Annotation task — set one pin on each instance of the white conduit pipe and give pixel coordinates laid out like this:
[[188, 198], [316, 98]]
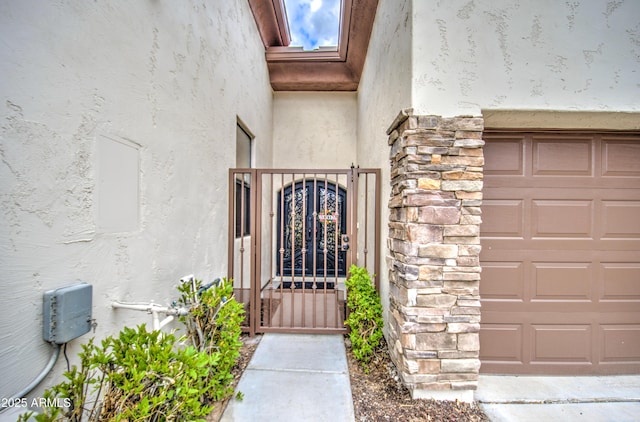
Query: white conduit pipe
[[154, 310], [52, 361]]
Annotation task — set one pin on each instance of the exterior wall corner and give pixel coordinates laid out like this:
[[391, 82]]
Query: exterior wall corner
[[434, 246]]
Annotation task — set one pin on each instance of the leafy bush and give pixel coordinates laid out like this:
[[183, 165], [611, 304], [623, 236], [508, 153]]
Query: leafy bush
[[148, 376], [214, 327], [365, 315], [138, 375]]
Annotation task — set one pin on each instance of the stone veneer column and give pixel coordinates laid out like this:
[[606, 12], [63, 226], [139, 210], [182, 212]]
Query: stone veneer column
[[434, 246]]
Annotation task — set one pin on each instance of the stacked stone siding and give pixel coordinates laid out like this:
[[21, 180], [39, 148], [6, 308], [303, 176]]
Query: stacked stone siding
[[434, 246]]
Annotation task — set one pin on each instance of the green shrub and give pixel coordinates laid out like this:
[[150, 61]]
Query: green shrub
[[148, 376], [214, 327], [138, 375], [365, 315]]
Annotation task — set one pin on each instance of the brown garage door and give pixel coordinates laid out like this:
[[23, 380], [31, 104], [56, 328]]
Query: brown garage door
[[561, 254]]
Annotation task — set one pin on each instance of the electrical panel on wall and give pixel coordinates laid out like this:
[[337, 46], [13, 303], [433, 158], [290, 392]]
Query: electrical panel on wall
[[67, 313]]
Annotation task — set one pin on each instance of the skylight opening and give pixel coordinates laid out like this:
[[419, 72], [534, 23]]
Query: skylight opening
[[313, 24]]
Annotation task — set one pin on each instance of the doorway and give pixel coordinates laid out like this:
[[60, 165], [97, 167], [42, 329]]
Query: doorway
[[312, 222]]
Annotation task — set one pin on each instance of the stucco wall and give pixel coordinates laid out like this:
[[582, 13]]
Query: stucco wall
[[385, 89], [471, 55], [314, 129], [93, 95], [481, 57]]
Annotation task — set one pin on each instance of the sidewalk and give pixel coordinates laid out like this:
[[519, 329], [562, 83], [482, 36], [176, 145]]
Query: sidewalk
[[300, 377], [295, 377], [579, 398]]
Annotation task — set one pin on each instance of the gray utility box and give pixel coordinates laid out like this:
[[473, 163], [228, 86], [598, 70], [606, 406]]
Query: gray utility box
[[67, 313]]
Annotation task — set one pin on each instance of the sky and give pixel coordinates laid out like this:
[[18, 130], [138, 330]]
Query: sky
[[313, 23]]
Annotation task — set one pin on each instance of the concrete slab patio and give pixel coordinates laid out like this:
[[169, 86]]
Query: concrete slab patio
[[579, 398], [295, 377]]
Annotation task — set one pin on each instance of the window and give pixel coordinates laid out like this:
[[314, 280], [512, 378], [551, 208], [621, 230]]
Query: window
[[243, 147], [242, 208], [243, 183]]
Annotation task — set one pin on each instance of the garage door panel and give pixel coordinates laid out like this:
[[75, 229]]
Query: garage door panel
[[620, 219], [561, 255], [503, 281], [562, 158], [562, 218], [506, 157], [620, 343], [620, 282], [502, 342], [503, 218], [620, 158], [562, 281], [561, 343]]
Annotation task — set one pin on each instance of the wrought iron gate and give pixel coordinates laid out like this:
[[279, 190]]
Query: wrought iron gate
[[293, 234]]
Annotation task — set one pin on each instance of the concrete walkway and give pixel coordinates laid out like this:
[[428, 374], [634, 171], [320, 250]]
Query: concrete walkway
[[579, 398], [295, 377]]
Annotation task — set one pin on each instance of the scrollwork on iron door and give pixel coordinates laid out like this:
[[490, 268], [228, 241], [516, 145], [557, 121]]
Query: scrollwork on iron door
[[293, 218], [330, 206], [313, 213]]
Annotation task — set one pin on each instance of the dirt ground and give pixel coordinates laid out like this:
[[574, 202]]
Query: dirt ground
[[377, 396]]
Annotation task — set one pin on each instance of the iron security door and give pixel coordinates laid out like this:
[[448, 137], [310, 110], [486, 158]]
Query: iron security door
[[311, 222]]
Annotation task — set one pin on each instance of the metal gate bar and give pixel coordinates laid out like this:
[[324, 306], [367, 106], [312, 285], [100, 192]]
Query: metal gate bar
[[293, 234], [240, 236]]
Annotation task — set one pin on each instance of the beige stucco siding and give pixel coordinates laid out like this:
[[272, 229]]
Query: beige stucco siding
[[118, 123], [314, 129], [472, 55], [385, 89]]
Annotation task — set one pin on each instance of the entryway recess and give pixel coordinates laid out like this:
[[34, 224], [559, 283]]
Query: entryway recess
[[293, 234]]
